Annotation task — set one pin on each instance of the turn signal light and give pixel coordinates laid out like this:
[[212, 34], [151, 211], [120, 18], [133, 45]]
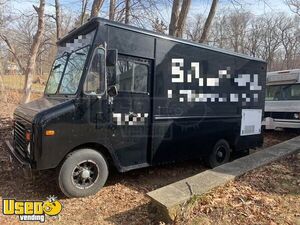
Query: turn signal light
[[50, 132], [28, 136]]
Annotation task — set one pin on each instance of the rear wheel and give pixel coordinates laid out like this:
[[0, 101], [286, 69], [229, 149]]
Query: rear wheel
[[83, 173], [219, 155]]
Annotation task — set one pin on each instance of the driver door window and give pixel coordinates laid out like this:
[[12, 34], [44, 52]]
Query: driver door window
[[132, 75], [93, 85]]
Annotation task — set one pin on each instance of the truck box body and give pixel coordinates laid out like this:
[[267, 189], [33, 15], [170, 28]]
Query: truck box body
[[175, 100]]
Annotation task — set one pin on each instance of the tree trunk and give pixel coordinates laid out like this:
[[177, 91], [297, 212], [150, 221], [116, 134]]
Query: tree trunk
[[208, 21], [174, 17], [97, 4], [58, 19], [112, 9], [182, 17], [33, 51], [2, 90], [127, 11], [83, 11]]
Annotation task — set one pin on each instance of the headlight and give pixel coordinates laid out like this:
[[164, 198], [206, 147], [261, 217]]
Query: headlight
[[296, 115], [28, 149]]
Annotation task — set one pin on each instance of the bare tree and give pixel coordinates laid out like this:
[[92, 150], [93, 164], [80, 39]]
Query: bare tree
[[236, 26], [182, 17], [288, 40], [2, 6], [112, 9], [194, 27], [127, 11], [159, 26], [219, 34], [97, 5], [179, 14], [83, 11], [253, 38], [58, 19], [174, 17], [13, 52], [209, 20], [270, 39], [294, 6], [2, 90], [30, 69]]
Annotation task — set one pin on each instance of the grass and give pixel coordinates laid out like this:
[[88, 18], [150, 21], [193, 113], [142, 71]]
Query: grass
[[16, 82]]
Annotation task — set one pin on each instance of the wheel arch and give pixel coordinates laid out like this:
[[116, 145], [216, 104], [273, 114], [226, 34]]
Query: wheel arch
[[108, 155]]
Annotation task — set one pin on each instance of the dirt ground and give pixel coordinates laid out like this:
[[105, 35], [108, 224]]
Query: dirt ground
[[268, 195], [122, 201]]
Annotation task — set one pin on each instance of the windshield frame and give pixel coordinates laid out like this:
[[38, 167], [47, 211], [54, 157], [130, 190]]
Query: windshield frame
[[92, 53], [57, 93], [83, 70], [85, 67]]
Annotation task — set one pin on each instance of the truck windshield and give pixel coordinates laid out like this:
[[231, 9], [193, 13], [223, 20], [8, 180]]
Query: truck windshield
[[73, 72], [56, 74], [67, 70]]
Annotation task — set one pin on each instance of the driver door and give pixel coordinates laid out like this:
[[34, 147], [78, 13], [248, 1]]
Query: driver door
[[130, 111]]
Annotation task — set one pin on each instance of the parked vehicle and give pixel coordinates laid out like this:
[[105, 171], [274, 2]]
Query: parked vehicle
[[282, 107], [130, 98]]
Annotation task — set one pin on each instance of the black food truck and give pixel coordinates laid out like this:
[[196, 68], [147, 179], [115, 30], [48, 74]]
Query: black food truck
[[129, 98]]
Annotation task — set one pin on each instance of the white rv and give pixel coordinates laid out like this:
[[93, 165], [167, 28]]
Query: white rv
[[282, 106]]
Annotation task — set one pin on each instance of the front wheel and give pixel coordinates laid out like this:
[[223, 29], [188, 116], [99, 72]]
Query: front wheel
[[219, 155], [83, 173]]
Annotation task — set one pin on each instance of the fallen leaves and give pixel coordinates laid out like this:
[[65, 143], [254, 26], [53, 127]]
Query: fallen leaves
[[268, 195]]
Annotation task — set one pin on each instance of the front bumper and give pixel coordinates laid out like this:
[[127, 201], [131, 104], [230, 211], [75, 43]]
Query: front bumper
[[272, 124], [26, 166]]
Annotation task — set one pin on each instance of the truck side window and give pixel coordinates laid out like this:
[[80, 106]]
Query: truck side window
[[140, 78], [96, 70], [132, 76]]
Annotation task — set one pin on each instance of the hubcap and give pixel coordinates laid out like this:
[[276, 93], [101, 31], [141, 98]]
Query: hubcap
[[85, 174], [221, 154]]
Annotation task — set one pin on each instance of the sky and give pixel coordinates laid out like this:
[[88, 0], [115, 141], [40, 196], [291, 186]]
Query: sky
[[257, 7]]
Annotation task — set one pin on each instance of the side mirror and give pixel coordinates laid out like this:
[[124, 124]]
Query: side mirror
[[112, 91], [112, 57]]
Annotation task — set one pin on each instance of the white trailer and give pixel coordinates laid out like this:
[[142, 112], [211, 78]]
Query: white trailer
[[282, 106]]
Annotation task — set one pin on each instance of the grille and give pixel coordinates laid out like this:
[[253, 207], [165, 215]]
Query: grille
[[20, 139]]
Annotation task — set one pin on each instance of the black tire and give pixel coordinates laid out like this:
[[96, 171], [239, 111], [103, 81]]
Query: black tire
[[83, 173], [219, 155]]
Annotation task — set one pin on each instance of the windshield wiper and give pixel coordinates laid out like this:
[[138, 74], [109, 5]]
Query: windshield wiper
[[57, 66], [80, 53]]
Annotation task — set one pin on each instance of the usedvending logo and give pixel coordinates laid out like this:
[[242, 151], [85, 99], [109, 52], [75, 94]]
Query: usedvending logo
[[32, 210]]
